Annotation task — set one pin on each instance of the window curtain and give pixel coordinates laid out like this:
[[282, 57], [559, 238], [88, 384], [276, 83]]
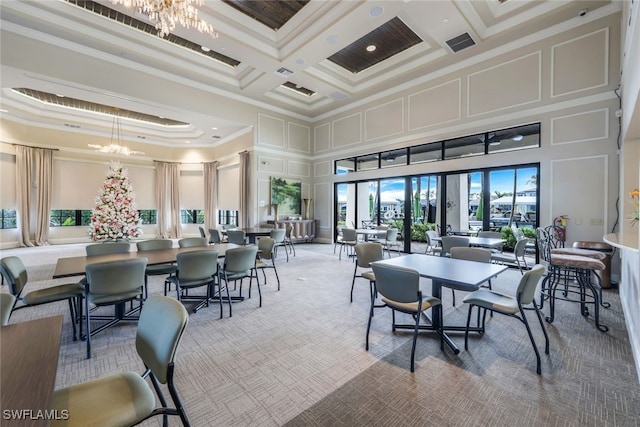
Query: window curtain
[[24, 183], [210, 194], [243, 221], [34, 168], [168, 190]]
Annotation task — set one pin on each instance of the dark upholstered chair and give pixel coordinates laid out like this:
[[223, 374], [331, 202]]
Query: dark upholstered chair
[[193, 242]]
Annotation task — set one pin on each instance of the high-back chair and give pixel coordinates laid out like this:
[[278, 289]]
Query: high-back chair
[[107, 248], [113, 283], [166, 269], [193, 242], [238, 264], [266, 258], [126, 398], [349, 240], [449, 242], [15, 274], [197, 269], [214, 236], [470, 254], [278, 235], [202, 232], [400, 291], [511, 305], [6, 307], [517, 257], [433, 246], [238, 237], [366, 253]]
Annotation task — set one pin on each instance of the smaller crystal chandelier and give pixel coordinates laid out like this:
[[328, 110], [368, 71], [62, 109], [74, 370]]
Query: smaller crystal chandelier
[[166, 13], [116, 136]]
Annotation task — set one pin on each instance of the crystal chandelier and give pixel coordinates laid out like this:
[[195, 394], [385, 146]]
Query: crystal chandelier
[[116, 136], [166, 13]]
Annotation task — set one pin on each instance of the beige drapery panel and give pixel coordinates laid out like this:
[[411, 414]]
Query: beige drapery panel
[[34, 167], [243, 221], [168, 189], [210, 194]]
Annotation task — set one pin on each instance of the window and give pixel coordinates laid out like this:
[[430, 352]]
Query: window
[[8, 217], [148, 216], [227, 217], [69, 217], [510, 139], [192, 216]]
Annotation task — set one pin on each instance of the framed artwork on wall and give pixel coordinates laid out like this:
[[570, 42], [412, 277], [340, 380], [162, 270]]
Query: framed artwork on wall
[[287, 194]]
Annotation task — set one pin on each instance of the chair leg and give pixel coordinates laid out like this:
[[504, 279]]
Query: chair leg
[[533, 341], [88, 324], [544, 330], [415, 340], [72, 313], [453, 295], [466, 331], [366, 346], [276, 273]]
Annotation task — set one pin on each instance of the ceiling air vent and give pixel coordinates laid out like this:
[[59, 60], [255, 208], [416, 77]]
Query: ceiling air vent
[[463, 41], [283, 72]]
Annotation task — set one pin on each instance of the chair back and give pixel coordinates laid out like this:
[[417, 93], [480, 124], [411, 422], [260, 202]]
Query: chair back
[[193, 242], [544, 244], [160, 329], [520, 247], [7, 301], [289, 231], [349, 235], [265, 246], [517, 232], [112, 278], [229, 227], [106, 248], [399, 284], [214, 236], [471, 254], [238, 237], [238, 260], [15, 273], [154, 244], [528, 283], [278, 234], [202, 232], [449, 242], [197, 265], [392, 235], [368, 252], [431, 236], [381, 227], [490, 234]]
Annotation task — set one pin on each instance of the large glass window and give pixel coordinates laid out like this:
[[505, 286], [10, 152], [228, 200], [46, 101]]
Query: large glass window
[[425, 153], [8, 218], [464, 147], [69, 217], [192, 216]]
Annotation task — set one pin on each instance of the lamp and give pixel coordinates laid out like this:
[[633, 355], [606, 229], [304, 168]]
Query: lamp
[[116, 136], [166, 13]]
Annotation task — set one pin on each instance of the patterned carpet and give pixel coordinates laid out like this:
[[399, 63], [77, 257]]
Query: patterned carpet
[[300, 359]]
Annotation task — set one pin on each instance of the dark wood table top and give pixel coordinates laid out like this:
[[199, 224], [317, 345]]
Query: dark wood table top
[[75, 266], [256, 231], [28, 364]]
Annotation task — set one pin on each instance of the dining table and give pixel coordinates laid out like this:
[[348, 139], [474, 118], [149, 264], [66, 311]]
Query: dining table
[[253, 232], [369, 233], [446, 272], [28, 363], [75, 266]]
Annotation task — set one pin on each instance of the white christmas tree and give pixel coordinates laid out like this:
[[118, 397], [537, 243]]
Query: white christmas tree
[[115, 215]]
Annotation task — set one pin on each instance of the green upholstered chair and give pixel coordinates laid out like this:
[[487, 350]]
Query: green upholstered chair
[[349, 241], [278, 235], [6, 307], [113, 283], [448, 243], [239, 263], [197, 269], [214, 236], [266, 258], [399, 288], [193, 242], [238, 237], [15, 274], [366, 253], [202, 232], [126, 398], [511, 305], [167, 269], [107, 248]]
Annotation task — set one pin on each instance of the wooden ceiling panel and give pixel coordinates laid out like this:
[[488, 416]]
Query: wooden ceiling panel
[[272, 13]]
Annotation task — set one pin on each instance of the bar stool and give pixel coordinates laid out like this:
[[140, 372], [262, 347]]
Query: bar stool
[[572, 273]]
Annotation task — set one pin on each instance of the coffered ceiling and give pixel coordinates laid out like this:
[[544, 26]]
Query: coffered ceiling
[[305, 58]]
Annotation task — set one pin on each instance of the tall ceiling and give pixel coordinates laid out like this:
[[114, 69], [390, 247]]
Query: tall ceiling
[[67, 63]]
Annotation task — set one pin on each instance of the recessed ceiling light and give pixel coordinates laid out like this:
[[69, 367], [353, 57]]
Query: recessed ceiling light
[[205, 49], [371, 48], [517, 137], [59, 95], [376, 11], [187, 142], [445, 20], [333, 39], [214, 128], [301, 61]]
